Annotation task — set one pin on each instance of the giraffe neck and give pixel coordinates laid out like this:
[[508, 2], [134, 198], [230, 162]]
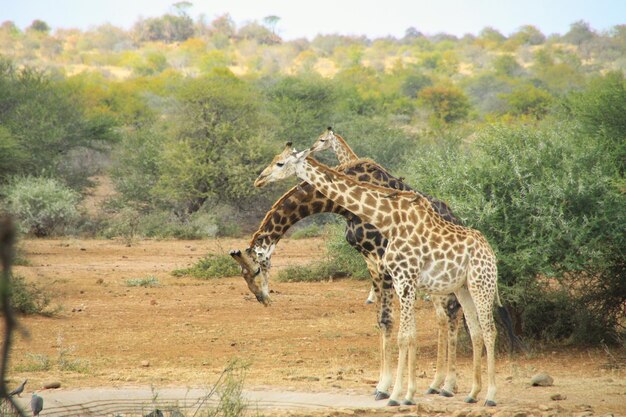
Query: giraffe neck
[[296, 204], [372, 204], [344, 153]]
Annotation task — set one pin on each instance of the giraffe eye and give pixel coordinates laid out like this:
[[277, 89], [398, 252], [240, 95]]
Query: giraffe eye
[[280, 164]]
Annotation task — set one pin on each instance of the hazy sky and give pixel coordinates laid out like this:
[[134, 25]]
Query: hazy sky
[[373, 18]]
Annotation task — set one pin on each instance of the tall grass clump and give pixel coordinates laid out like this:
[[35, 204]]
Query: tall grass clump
[[211, 266], [547, 199], [340, 260], [42, 206]]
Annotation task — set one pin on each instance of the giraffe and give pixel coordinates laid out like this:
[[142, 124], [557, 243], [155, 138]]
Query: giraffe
[[425, 252], [303, 200], [448, 331]]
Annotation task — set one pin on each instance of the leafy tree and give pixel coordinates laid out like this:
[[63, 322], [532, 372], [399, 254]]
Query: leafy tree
[[259, 33], [153, 63], [43, 123], [215, 150], [412, 33], [447, 103], [528, 100], [414, 83], [579, 33], [486, 93], [271, 21], [507, 65], [168, 28], [527, 35], [224, 25], [491, 37], [376, 138], [601, 111], [303, 107], [39, 26]]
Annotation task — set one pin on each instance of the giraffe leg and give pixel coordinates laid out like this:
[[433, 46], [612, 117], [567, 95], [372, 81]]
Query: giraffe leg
[[375, 290], [449, 386], [439, 303], [407, 340], [385, 323], [484, 308], [471, 316], [412, 357]]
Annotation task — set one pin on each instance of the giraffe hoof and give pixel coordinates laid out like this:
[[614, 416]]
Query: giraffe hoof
[[471, 400], [490, 403], [380, 395], [393, 403], [446, 393], [408, 402], [431, 391]]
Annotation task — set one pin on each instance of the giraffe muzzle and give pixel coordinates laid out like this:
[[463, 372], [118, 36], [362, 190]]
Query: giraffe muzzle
[[260, 181]]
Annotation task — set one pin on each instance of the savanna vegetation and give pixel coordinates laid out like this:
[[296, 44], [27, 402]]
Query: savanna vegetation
[[524, 135]]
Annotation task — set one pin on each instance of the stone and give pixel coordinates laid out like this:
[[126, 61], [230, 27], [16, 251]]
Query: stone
[[145, 364], [558, 397], [52, 385], [542, 380]]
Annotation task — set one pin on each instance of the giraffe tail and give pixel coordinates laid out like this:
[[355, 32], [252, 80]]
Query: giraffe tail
[[497, 300]]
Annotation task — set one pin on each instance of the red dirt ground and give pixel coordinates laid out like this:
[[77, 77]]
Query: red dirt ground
[[316, 337]]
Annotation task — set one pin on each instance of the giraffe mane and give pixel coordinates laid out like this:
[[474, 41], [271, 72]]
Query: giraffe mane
[[271, 211], [345, 144], [397, 193]]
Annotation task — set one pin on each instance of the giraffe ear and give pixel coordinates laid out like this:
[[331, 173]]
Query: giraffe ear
[[302, 154]]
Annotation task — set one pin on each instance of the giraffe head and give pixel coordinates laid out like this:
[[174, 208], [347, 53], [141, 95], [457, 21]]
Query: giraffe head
[[324, 141], [282, 166], [255, 273]]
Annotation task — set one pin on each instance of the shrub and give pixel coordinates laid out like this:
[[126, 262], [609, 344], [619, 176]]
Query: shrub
[[343, 256], [42, 206], [312, 230], [313, 272], [28, 298], [546, 199], [143, 282], [341, 260], [211, 266]]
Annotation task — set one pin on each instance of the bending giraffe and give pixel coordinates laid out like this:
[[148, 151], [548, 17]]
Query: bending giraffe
[[425, 253], [302, 201]]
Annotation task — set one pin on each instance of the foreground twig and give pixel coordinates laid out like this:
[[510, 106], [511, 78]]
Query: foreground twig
[[7, 239]]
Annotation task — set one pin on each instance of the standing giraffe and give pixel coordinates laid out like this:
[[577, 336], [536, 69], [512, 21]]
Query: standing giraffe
[[424, 253], [302, 201], [444, 305]]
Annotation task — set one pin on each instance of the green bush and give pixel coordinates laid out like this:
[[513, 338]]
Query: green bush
[[546, 199], [130, 224], [42, 206], [341, 260], [143, 282], [28, 298], [211, 266], [342, 256], [312, 230]]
